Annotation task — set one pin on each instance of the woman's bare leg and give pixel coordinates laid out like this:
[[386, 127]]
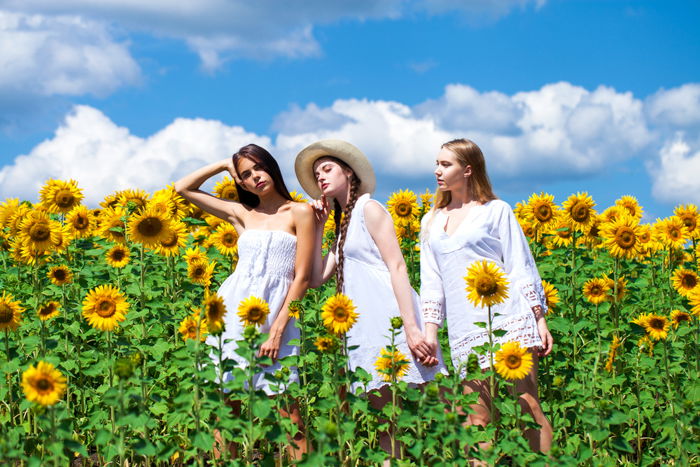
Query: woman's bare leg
[[540, 440]]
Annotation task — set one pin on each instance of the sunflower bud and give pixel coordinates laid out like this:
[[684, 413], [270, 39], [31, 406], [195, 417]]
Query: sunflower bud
[[330, 429], [451, 417], [558, 381], [136, 358], [250, 333], [432, 391], [472, 363], [396, 322]]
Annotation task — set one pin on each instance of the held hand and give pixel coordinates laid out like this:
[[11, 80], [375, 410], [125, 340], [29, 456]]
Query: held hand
[[420, 348], [228, 164], [271, 347], [321, 209], [546, 336]]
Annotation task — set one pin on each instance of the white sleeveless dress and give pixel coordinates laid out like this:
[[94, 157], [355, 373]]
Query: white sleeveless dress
[[265, 269], [367, 282]]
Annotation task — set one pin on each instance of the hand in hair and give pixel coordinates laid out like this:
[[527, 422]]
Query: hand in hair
[[322, 209]]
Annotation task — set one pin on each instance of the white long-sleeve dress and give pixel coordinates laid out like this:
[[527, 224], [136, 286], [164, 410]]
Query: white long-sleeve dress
[[489, 232], [367, 282]]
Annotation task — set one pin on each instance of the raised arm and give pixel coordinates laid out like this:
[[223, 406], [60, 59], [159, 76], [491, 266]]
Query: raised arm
[[188, 188], [323, 266], [381, 228], [304, 224]]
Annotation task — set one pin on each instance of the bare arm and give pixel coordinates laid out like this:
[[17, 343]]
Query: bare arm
[[188, 188], [304, 223], [381, 228], [323, 266]]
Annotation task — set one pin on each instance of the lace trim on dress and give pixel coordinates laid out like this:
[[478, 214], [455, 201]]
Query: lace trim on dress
[[521, 328], [534, 295], [433, 311]]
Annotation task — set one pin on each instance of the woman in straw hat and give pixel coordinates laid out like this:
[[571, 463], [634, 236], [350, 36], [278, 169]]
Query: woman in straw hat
[[366, 260], [275, 247], [469, 224]]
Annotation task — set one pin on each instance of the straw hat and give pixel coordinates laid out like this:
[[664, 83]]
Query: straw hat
[[346, 152]]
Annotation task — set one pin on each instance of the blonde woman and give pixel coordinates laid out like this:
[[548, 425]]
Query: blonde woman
[[467, 224]]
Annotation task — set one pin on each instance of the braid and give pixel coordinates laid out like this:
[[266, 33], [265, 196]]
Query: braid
[[343, 230]]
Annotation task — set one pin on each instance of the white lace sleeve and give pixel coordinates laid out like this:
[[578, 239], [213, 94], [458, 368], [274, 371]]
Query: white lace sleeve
[[518, 260], [431, 292]]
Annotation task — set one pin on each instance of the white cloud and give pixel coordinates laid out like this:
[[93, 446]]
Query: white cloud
[[677, 107], [61, 55], [675, 174], [479, 8], [103, 157], [529, 138]]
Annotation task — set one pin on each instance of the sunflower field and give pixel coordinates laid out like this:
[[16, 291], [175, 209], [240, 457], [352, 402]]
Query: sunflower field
[[104, 312]]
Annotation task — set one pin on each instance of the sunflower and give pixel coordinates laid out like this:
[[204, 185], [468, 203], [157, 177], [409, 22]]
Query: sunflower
[[579, 212], [193, 326], [656, 326], [80, 222], [527, 228], [177, 239], [612, 354], [7, 210], [596, 290], [10, 312], [671, 232], [225, 239], [48, 310], [391, 364], [694, 302], [591, 236], [253, 311], [690, 216], [214, 311], [621, 236], [408, 230], [200, 272], [512, 361], [612, 213], [326, 344], [15, 218], [542, 211], [403, 205], [631, 206], [295, 309], [60, 196], [149, 227], [621, 287], [112, 224], [178, 204], [562, 233], [118, 256], [137, 199], [298, 197], [551, 294], [62, 236], [37, 231], [426, 201], [226, 189], [338, 314], [43, 384], [684, 281], [60, 275], [162, 204], [486, 284], [678, 317], [104, 306], [194, 255]]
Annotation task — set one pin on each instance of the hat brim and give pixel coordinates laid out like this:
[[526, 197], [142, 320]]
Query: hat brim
[[342, 150]]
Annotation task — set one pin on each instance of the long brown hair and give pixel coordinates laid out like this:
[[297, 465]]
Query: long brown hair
[[342, 221], [260, 156], [468, 153]]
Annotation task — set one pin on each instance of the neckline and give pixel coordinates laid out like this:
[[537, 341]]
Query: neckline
[[462, 222], [268, 230]]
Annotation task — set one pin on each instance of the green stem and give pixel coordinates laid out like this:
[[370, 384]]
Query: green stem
[[492, 379]]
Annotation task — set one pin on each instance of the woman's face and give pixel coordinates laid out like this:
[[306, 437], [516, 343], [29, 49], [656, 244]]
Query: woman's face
[[253, 177], [331, 177], [450, 173]]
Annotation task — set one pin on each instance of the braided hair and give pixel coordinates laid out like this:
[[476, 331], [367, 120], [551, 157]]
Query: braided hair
[[341, 228]]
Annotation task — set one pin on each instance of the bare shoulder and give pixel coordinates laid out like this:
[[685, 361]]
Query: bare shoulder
[[375, 212], [302, 210]]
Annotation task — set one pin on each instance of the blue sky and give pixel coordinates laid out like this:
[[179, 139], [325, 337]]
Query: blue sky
[[563, 96]]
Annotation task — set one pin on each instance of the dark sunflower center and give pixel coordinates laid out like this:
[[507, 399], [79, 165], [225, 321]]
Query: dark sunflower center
[[513, 361], [213, 312], [150, 227], [645, 237], [64, 198], [228, 239], [596, 291], [656, 324], [403, 209], [229, 193], [689, 221], [192, 330], [254, 314], [580, 212], [47, 310], [625, 238], [170, 241], [689, 281], [674, 233], [118, 255], [44, 385], [340, 314], [486, 286], [564, 233], [6, 314], [543, 212], [682, 317], [39, 232], [106, 308], [198, 271], [59, 275], [594, 232], [81, 222]]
